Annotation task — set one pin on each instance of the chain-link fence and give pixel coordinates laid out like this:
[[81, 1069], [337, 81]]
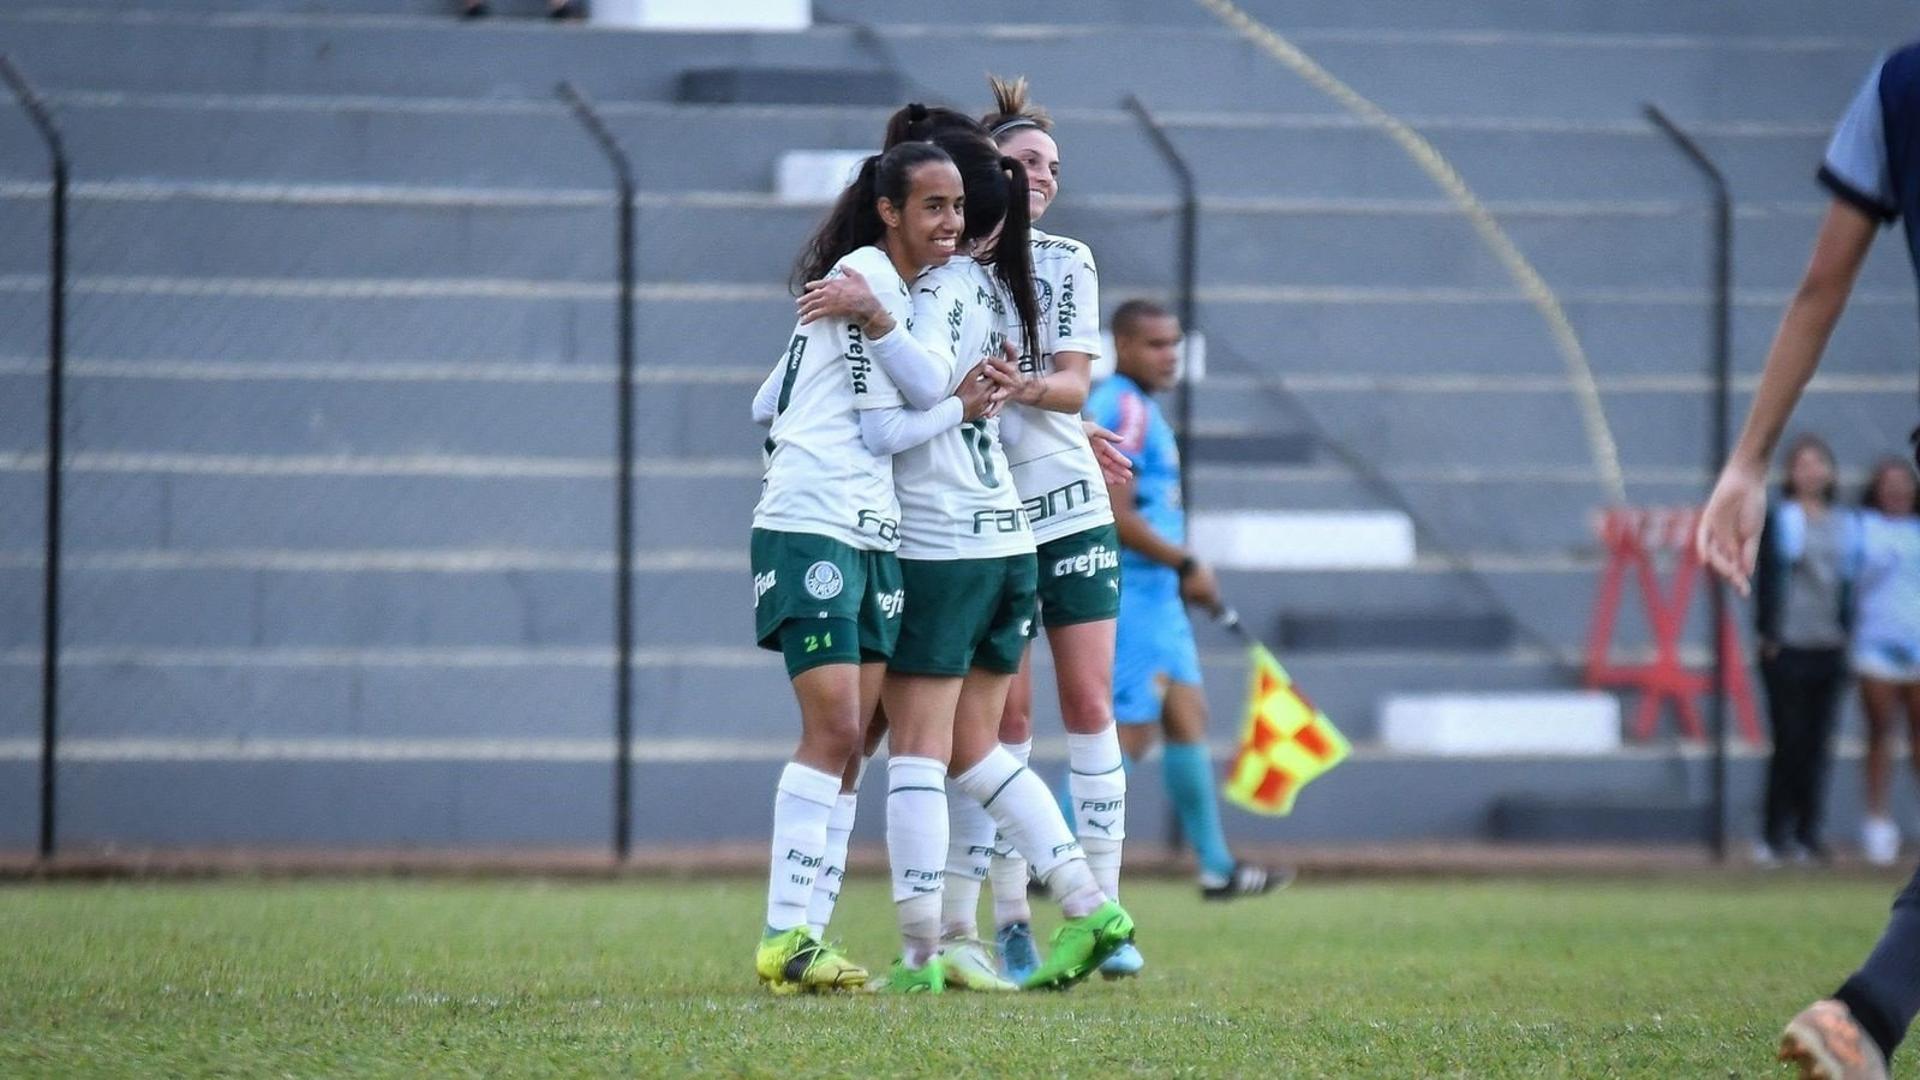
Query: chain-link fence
[[339, 482], [26, 248]]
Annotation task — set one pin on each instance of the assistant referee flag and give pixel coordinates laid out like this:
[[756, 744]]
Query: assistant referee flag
[[1286, 743]]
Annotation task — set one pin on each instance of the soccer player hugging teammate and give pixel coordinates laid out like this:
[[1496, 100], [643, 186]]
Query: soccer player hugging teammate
[[1060, 482], [827, 586], [967, 559]]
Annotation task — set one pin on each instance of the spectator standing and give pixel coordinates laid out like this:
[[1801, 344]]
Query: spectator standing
[[1801, 611], [1886, 644]]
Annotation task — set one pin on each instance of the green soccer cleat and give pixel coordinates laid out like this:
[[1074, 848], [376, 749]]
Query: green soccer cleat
[[1080, 946], [794, 963], [967, 964], [930, 978]]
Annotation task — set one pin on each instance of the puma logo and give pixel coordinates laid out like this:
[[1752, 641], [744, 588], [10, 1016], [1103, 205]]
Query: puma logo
[[1105, 827]]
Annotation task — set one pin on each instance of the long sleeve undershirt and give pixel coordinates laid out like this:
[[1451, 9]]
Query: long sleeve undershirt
[[766, 400], [921, 374], [890, 431]]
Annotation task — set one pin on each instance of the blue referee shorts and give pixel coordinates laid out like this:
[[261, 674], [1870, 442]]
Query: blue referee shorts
[[1153, 645]]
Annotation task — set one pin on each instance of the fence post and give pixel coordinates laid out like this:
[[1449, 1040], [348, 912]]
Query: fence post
[[56, 378], [1722, 255], [623, 496]]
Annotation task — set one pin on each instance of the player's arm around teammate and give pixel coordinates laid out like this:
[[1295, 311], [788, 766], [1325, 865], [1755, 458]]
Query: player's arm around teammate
[[827, 591], [967, 562]]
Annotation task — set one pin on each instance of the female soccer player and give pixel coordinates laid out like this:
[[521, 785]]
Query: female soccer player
[[1060, 482], [968, 565], [827, 586]]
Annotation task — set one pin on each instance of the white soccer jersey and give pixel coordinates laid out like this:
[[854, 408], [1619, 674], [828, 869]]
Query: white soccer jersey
[[957, 499], [1053, 467], [820, 476]]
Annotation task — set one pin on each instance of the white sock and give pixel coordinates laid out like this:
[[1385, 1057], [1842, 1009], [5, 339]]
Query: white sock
[[1009, 871], [1097, 786], [802, 803], [970, 835], [917, 851], [833, 872], [1027, 813]]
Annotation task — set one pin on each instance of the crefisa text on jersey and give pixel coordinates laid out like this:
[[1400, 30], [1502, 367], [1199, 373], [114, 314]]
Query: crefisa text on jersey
[[858, 362]]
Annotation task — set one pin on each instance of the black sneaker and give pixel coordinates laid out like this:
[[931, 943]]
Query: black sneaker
[[1249, 880]]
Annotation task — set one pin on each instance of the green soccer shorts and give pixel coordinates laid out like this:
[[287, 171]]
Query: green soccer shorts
[[1080, 577], [965, 614], [801, 576]]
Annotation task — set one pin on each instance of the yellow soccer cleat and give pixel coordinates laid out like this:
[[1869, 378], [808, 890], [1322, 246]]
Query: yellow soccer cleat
[[794, 963]]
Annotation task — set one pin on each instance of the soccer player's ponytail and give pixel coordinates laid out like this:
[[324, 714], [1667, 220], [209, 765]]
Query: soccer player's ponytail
[[1012, 109], [855, 221], [906, 125], [927, 123], [1013, 254]]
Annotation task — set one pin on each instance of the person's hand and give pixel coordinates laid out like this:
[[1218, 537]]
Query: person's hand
[[980, 394], [1004, 370], [1199, 587], [1114, 466], [846, 296], [1728, 539], [1027, 389]]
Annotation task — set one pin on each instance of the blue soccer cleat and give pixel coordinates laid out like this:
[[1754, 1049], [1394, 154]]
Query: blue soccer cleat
[[1125, 963], [1018, 959]]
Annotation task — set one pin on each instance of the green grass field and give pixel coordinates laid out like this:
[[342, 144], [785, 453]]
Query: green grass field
[[1571, 978]]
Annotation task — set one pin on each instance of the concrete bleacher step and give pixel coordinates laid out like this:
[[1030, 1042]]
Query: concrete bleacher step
[[1550, 819], [735, 692], [1407, 73], [1348, 333], [708, 420], [1542, 425], [1641, 16], [1254, 448], [1236, 153], [1380, 331], [240, 607], [1512, 513], [748, 84], [1437, 631], [1483, 724], [348, 9], [727, 237]]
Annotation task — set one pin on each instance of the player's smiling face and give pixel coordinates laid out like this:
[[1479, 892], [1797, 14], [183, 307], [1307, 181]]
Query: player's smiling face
[[1036, 150], [926, 227]]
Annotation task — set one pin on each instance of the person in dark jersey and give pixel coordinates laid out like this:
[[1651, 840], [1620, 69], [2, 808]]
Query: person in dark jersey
[[1872, 171]]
